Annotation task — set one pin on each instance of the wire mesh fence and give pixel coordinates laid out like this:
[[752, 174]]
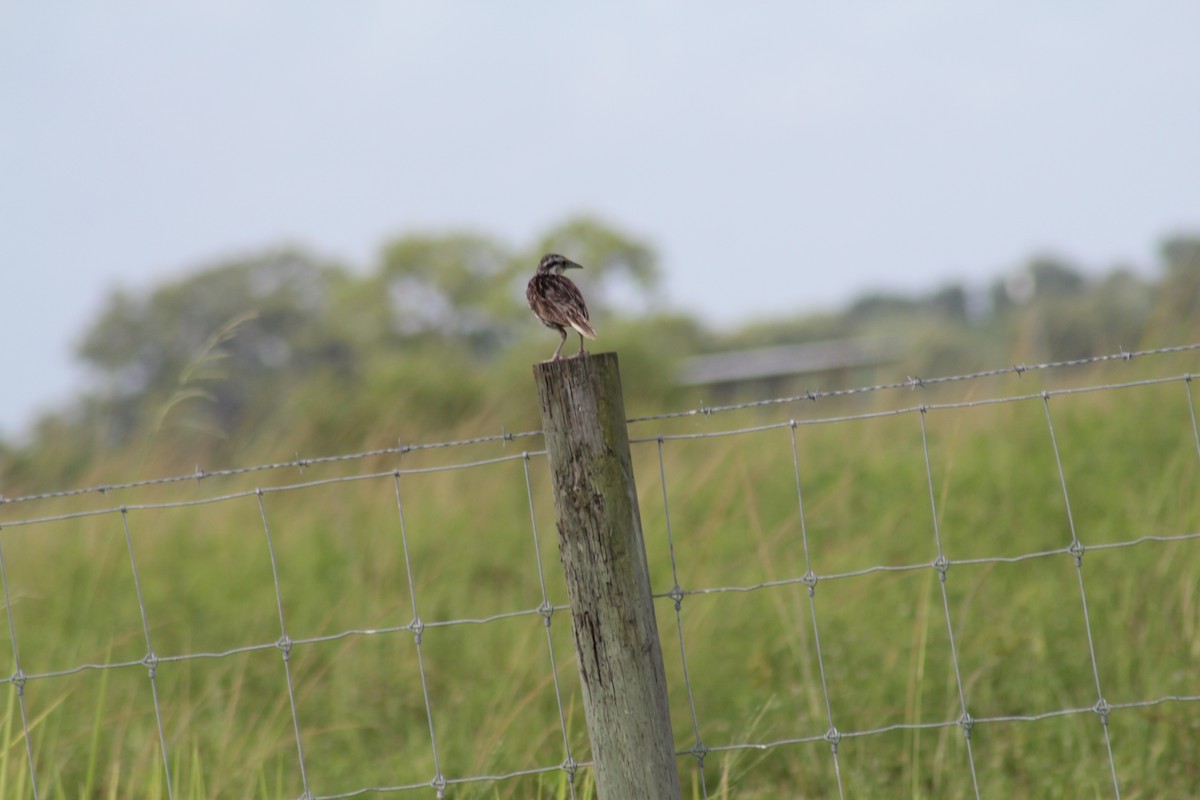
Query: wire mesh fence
[[856, 588]]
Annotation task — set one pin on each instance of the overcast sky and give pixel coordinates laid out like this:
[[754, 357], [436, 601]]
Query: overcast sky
[[781, 156]]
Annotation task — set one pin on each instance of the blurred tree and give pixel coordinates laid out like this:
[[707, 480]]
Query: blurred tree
[[1177, 310], [445, 287], [468, 288], [209, 343], [768, 332], [950, 302], [1052, 276], [879, 305], [205, 351], [1041, 277], [288, 348], [1119, 308]]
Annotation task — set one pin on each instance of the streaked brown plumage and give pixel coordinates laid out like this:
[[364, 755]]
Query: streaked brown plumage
[[557, 302]]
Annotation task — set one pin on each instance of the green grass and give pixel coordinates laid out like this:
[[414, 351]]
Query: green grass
[[1131, 469]]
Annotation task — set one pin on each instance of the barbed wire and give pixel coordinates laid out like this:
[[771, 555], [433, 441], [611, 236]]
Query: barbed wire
[[919, 383], [296, 463], [200, 501], [444, 776], [1186, 378], [299, 463]]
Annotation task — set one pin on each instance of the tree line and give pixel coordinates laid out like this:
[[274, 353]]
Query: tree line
[[287, 346]]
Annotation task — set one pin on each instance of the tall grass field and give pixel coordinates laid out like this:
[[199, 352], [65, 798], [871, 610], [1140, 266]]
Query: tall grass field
[[865, 491]]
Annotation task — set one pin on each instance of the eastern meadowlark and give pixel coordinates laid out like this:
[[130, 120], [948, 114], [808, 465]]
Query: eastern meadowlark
[[557, 302]]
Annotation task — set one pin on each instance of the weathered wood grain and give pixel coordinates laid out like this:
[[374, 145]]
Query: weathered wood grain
[[608, 582]]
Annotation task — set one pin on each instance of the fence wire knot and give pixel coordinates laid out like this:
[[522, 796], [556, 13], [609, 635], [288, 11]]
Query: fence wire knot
[[700, 752], [942, 566], [569, 766], [966, 722], [417, 627], [547, 611], [1102, 708], [439, 783], [284, 643], [809, 579], [833, 736], [18, 680], [1076, 550], [676, 594], [150, 662]]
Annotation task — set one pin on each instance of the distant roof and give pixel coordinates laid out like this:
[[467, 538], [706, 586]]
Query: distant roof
[[785, 360]]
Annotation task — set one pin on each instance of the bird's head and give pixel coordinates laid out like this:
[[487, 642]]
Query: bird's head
[[553, 262]]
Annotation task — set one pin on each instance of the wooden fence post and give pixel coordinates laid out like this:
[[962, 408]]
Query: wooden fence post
[[608, 582]]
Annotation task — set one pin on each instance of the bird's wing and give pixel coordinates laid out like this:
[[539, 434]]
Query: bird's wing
[[576, 310], [564, 302]]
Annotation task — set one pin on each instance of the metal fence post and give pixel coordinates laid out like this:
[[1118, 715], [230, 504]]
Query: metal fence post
[[608, 582]]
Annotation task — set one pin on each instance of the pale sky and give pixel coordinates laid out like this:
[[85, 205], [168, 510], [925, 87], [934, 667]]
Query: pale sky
[[781, 156]]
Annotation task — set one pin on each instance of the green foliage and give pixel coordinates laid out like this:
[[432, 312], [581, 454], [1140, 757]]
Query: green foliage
[[760, 333], [262, 358], [287, 350], [468, 288], [208, 586], [1177, 312], [216, 340], [445, 288]]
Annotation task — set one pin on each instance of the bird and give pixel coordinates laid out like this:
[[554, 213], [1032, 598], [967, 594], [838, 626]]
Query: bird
[[557, 302]]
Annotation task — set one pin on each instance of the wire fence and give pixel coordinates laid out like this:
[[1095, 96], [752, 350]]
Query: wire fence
[[704, 740]]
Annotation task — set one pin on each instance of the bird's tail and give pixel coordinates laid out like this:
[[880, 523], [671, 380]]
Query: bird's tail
[[584, 327]]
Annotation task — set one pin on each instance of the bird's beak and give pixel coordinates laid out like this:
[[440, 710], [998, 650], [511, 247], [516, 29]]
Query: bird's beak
[[572, 265]]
